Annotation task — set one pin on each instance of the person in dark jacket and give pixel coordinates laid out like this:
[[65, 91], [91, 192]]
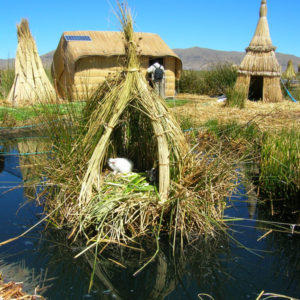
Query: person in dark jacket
[[157, 77]]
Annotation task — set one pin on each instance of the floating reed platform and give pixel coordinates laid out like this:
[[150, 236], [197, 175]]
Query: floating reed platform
[[268, 116]]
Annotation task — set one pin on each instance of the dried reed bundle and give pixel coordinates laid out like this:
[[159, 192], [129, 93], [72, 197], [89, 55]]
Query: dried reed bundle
[[290, 71], [31, 83]]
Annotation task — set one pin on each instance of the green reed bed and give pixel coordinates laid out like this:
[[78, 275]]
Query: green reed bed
[[235, 98], [6, 81], [280, 164], [277, 155], [16, 116], [10, 116], [211, 82]]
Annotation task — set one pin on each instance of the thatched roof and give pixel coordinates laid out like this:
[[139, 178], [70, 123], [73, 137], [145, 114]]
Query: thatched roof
[[262, 38], [108, 43], [260, 58], [31, 83]]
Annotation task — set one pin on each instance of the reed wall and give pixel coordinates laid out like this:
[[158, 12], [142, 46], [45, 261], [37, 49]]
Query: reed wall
[[91, 71], [272, 90]]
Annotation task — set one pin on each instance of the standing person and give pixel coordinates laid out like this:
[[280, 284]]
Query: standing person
[[157, 78]]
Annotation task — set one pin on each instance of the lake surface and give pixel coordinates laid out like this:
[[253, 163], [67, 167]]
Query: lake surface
[[220, 268]]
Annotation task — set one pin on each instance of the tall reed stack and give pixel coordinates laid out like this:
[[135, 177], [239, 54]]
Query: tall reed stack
[[31, 84], [290, 71]]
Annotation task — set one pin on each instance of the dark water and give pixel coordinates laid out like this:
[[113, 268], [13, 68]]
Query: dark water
[[221, 268]]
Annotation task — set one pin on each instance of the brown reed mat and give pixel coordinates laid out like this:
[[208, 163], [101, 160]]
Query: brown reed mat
[[268, 116], [13, 290]]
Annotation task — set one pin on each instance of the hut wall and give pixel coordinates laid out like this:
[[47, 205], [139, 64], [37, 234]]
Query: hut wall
[[63, 86], [170, 65], [90, 71], [272, 90]]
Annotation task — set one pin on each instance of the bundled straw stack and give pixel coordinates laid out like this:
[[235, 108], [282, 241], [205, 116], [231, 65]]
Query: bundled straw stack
[[290, 71], [260, 63], [31, 83], [132, 103]]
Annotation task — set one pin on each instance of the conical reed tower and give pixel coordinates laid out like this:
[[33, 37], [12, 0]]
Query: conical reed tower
[[290, 71], [259, 73], [31, 83]]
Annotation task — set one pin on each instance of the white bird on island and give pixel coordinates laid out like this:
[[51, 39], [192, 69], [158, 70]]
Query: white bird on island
[[120, 165]]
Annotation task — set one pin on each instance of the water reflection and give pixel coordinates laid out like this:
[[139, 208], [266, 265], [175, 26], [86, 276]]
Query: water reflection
[[1, 163], [167, 277], [220, 267]]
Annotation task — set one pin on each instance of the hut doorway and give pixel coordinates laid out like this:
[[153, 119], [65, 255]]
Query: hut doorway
[[256, 88], [152, 61]]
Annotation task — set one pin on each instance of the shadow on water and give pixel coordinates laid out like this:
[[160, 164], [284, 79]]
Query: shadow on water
[[220, 268]]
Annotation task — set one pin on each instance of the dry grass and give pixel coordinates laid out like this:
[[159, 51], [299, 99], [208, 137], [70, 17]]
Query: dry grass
[[268, 116]]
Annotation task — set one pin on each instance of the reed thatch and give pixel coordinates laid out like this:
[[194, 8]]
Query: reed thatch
[[259, 72], [82, 63], [290, 71], [31, 83]]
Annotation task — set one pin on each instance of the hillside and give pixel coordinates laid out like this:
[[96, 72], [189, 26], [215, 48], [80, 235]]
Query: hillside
[[46, 59], [201, 58], [193, 58]]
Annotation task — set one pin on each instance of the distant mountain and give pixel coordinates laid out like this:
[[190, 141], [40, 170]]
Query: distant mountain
[[192, 58], [201, 58], [9, 63]]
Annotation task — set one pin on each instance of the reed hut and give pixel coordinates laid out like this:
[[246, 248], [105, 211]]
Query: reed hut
[[290, 71], [259, 73], [83, 59], [31, 83]]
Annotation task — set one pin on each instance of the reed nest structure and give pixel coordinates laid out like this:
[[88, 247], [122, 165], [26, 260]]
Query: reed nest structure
[[259, 73], [31, 84], [83, 59], [126, 118]]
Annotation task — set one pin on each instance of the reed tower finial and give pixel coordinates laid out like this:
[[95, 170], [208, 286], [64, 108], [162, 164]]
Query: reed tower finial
[[263, 9]]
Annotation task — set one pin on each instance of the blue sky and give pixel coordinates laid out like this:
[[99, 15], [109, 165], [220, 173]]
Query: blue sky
[[216, 24]]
